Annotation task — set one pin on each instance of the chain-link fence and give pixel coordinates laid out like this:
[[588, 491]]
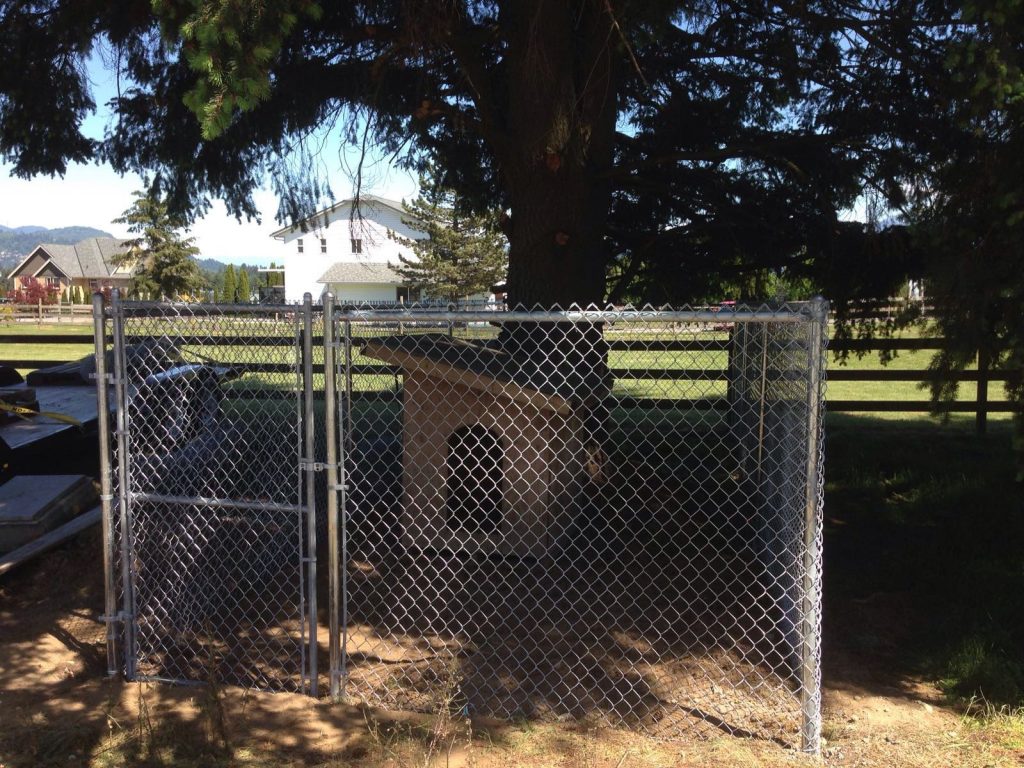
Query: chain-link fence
[[610, 516]]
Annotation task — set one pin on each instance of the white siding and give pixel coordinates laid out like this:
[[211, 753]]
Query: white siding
[[300, 273], [360, 292], [303, 269]]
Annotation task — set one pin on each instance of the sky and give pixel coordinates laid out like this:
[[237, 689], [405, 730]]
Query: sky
[[93, 195]]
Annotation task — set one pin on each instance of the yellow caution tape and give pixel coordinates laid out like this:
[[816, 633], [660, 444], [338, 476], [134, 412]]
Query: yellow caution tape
[[27, 413]]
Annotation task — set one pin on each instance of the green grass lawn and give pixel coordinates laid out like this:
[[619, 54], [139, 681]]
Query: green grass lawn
[[705, 359], [30, 350]]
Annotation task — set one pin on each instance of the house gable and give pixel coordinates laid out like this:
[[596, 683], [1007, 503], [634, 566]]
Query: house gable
[[31, 264], [89, 259], [49, 269], [372, 209]]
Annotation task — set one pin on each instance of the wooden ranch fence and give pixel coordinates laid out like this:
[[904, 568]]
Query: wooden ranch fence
[[981, 405], [46, 313]]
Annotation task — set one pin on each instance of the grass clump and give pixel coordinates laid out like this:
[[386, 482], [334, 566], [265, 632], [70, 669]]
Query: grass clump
[[980, 667]]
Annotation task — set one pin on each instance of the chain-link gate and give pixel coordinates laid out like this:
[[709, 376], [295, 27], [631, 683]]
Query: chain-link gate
[[209, 512], [611, 516]]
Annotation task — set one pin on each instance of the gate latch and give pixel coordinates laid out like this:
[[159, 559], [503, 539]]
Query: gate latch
[[315, 466]]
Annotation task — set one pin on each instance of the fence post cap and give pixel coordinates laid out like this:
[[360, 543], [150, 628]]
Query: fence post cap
[[819, 307]]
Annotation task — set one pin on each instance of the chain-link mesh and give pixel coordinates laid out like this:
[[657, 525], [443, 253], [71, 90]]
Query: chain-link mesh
[[209, 491], [603, 516], [610, 516]]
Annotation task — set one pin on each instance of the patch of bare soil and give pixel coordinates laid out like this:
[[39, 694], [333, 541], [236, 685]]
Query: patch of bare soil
[[58, 707]]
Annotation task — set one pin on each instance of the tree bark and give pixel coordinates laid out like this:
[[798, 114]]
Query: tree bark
[[561, 114]]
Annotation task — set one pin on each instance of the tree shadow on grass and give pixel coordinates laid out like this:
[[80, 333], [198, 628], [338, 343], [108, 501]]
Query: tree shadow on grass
[[924, 526]]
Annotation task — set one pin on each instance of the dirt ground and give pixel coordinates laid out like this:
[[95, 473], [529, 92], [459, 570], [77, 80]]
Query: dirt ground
[[57, 707]]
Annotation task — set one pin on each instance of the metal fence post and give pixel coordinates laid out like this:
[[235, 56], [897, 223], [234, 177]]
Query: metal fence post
[[106, 485], [810, 671], [333, 488], [343, 458], [121, 396], [309, 460]]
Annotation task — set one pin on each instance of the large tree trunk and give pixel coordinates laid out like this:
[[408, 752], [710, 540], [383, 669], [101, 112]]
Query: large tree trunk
[[561, 111], [561, 114]]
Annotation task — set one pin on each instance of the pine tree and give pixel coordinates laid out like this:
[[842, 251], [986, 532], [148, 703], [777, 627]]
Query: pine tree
[[463, 255], [244, 292], [229, 287], [161, 258], [274, 278]]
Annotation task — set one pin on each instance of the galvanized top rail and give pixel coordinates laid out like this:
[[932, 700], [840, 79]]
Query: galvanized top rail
[[795, 312], [576, 316], [188, 309]]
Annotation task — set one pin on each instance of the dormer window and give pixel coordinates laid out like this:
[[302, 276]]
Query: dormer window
[[357, 245], [299, 244], [323, 245]]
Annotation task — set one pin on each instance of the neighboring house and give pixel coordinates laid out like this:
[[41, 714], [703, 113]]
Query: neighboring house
[[352, 256], [89, 264]]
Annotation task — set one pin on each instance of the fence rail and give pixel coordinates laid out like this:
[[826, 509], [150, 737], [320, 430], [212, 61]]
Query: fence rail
[[981, 405], [40, 312]]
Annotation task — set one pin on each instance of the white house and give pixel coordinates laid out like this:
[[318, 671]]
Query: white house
[[351, 255]]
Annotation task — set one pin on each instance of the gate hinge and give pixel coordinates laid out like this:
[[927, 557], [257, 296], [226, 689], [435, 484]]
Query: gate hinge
[[108, 376], [315, 466], [120, 616], [339, 487]]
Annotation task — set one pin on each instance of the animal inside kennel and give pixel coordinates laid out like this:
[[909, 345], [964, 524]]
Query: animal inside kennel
[[610, 516]]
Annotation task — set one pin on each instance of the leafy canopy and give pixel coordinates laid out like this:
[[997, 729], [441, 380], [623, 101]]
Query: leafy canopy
[[244, 293], [971, 213]]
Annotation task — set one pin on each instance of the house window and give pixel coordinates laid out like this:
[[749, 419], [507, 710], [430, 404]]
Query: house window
[[299, 243], [476, 471], [407, 295], [323, 245], [357, 245], [53, 283]]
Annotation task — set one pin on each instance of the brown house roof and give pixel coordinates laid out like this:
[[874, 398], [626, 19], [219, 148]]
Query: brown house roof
[[90, 259]]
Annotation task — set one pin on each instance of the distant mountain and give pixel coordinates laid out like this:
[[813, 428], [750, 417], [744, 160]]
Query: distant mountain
[[211, 265], [19, 241], [22, 230]]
